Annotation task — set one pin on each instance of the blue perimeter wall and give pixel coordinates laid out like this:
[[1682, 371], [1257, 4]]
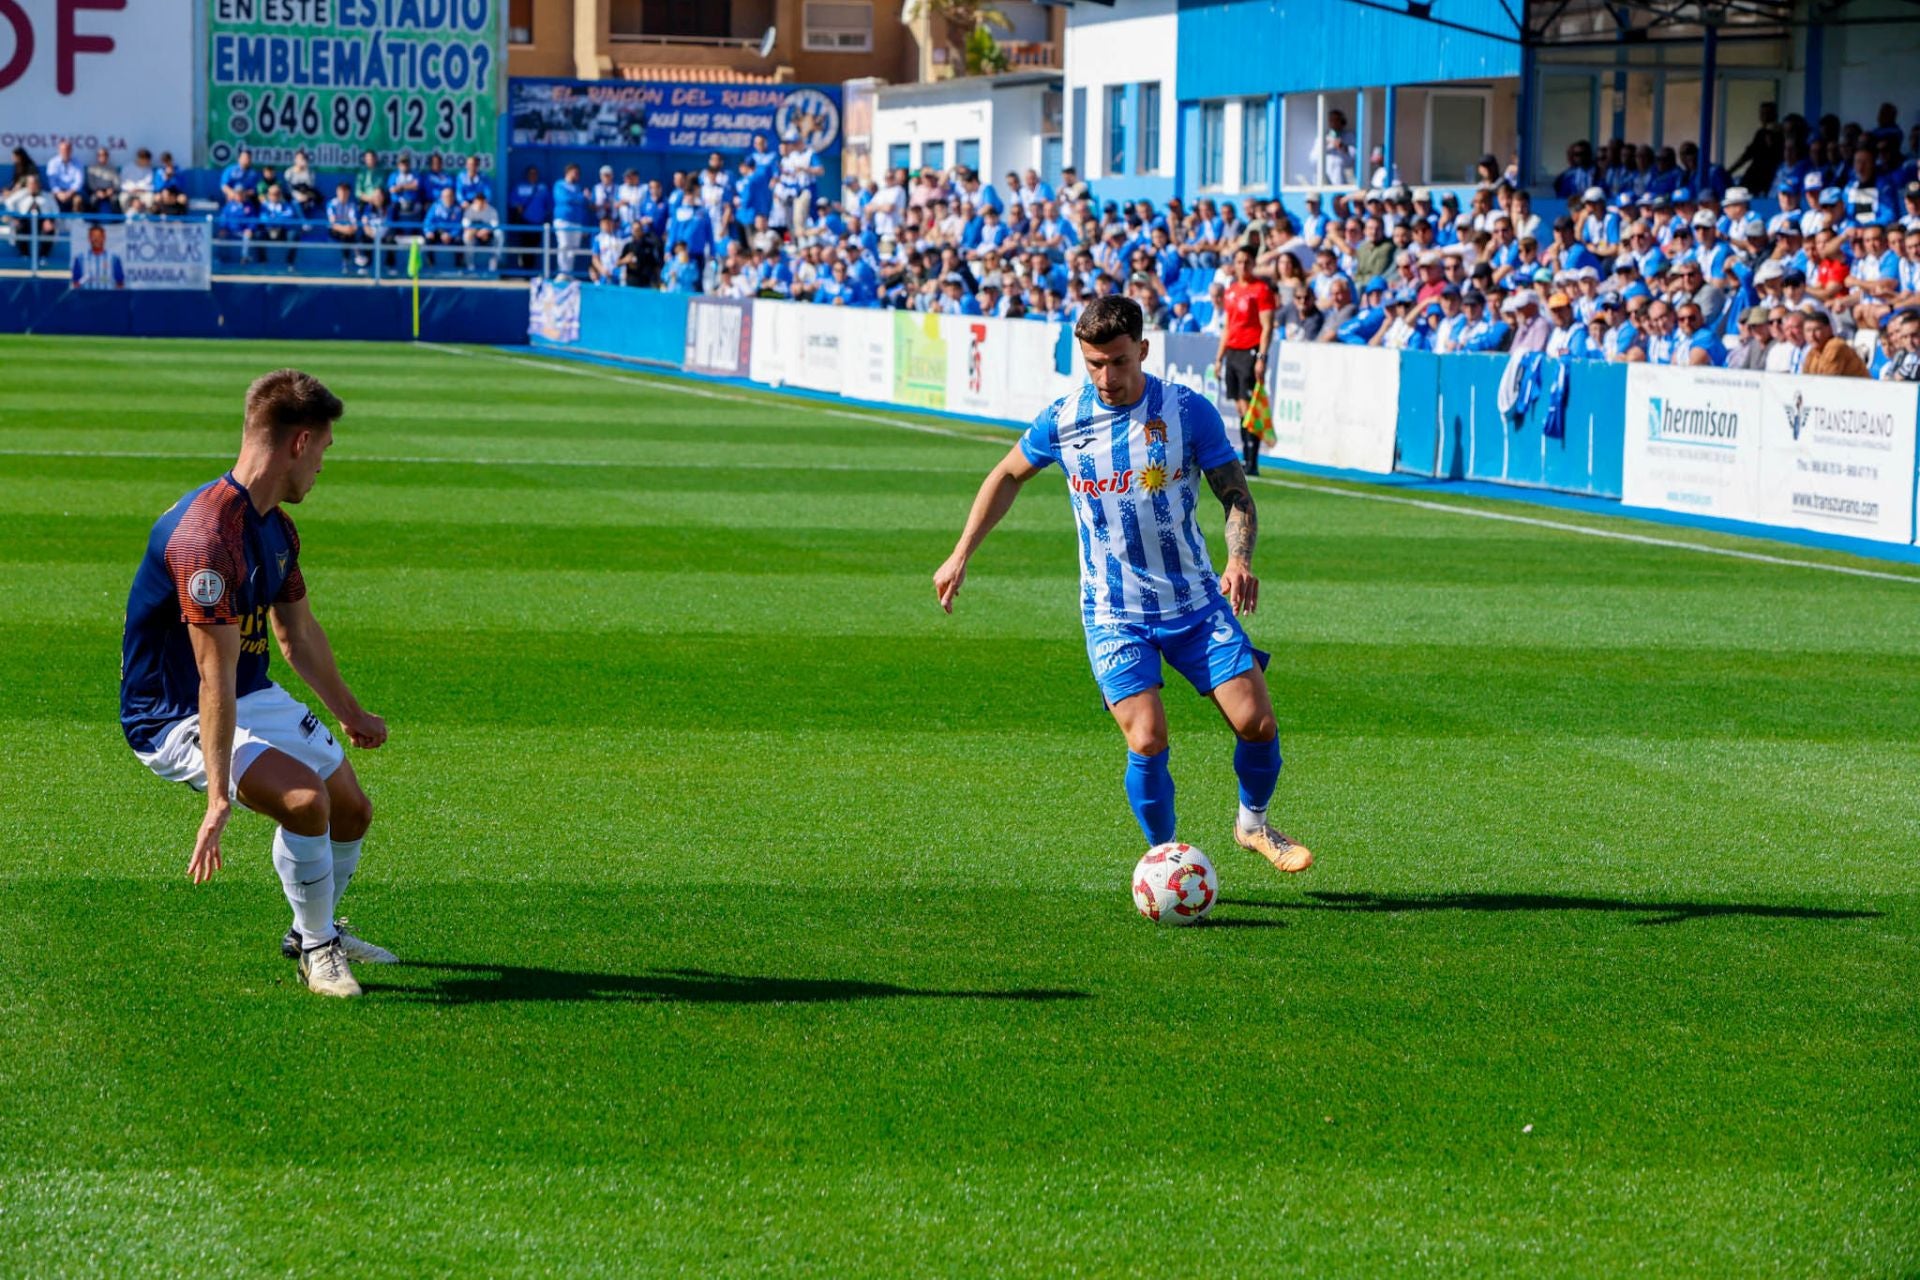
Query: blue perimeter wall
[[268, 309]]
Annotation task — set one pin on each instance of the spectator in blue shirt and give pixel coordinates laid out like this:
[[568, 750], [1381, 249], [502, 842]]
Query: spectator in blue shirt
[[1373, 314], [572, 219], [683, 273], [1481, 332], [1579, 174], [280, 221], [240, 178], [443, 226], [403, 189], [435, 180], [471, 183], [689, 224], [375, 229], [65, 179], [343, 226], [529, 205], [1697, 343], [235, 221]]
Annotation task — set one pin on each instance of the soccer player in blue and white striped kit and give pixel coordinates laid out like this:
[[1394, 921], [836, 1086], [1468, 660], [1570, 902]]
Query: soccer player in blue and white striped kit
[[1134, 449]]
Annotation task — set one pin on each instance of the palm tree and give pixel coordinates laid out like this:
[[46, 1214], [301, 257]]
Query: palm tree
[[964, 20]]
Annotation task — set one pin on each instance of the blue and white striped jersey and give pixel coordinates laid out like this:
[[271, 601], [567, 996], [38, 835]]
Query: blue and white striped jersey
[[1133, 476]]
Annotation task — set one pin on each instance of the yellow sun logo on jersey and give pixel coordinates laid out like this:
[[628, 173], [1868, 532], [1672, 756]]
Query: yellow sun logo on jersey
[[1153, 477]]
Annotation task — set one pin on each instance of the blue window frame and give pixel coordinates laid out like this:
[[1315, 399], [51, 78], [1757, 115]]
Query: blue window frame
[[1150, 127], [1253, 142], [1213, 143], [966, 154], [899, 156], [933, 155], [1116, 128]]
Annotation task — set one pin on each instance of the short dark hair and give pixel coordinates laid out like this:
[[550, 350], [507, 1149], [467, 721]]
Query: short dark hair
[[1108, 319], [287, 400]]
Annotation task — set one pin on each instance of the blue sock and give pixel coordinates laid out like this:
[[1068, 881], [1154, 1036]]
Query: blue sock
[[1150, 792], [1257, 765]]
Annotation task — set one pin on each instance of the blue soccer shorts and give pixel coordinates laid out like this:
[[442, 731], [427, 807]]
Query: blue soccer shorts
[[1209, 648]]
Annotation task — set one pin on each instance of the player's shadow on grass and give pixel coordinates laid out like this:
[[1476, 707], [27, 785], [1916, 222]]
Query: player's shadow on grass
[[449, 983], [1655, 912]]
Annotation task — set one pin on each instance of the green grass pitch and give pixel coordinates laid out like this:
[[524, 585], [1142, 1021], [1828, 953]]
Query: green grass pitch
[[761, 919]]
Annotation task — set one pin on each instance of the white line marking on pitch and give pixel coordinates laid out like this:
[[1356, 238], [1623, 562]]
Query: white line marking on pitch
[[1675, 544], [605, 463]]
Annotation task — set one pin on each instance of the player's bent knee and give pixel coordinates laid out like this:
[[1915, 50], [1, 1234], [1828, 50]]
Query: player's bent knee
[[352, 815], [1263, 728], [306, 811], [1147, 742]]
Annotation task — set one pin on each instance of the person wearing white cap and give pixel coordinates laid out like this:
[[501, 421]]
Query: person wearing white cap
[[1532, 331], [1598, 226]]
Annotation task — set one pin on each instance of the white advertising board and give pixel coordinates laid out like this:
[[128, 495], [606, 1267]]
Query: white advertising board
[[1334, 406], [866, 355], [776, 341], [1837, 455], [119, 76], [1692, 441], [818, 363], [977, 348]]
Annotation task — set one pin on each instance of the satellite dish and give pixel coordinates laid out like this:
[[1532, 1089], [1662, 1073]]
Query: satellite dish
[[766, 42]]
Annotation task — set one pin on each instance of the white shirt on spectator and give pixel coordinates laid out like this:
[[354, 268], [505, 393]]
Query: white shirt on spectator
[[1785, 357], [136, 179]]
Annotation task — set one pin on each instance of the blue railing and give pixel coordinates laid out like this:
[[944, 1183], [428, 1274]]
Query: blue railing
[[303, 246]]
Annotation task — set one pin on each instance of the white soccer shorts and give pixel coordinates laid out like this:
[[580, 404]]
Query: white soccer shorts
[[266, 718]]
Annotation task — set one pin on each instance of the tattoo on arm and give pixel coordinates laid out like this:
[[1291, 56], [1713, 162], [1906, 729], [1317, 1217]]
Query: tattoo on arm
[[1229, 484]]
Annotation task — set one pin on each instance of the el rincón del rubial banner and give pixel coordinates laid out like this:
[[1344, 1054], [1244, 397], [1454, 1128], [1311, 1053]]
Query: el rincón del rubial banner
[[339, 77]]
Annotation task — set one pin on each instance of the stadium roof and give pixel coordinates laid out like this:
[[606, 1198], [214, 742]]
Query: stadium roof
[[1544, 23]]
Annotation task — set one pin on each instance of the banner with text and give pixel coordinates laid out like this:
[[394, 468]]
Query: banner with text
[[553, 311], [1692, 441], [818, 364], [866, 354], [663, 116], [118, 76], [339, 77], [1333, 406], [719, 336], [154, 254], [919, 360], [1837, 455]]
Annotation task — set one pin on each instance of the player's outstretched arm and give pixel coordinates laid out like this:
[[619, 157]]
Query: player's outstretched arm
[[304, 642], [216, 653], [995, 498], [1229, 484]]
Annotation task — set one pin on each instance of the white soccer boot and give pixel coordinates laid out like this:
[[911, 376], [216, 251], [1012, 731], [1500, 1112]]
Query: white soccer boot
[[325, 971], [358, 949]]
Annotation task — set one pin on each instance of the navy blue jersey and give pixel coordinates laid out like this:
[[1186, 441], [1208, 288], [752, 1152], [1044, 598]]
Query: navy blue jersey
[[211, 559]]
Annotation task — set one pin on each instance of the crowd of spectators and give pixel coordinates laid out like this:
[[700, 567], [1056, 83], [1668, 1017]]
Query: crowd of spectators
[[1655, 259], [260, 206]]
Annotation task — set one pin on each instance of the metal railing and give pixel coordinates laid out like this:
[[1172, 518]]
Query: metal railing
[[305, 247]]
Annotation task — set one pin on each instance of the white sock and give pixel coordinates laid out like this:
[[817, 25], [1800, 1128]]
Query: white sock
[[1252, 819], [305, 864], [346, 857]]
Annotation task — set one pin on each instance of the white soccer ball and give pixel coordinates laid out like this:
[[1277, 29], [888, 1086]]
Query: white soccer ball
[[1175, 884]]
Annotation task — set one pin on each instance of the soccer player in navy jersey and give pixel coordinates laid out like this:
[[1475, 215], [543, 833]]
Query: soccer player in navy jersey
[[1134, 449], [196, 703]]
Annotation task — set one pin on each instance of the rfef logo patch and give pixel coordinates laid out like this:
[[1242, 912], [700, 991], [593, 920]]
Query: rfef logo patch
[[206, 587]]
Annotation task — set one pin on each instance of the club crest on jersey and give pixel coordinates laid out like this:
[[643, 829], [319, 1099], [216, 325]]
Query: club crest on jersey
[[281, 559], [206, 587], [1156, 431]]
